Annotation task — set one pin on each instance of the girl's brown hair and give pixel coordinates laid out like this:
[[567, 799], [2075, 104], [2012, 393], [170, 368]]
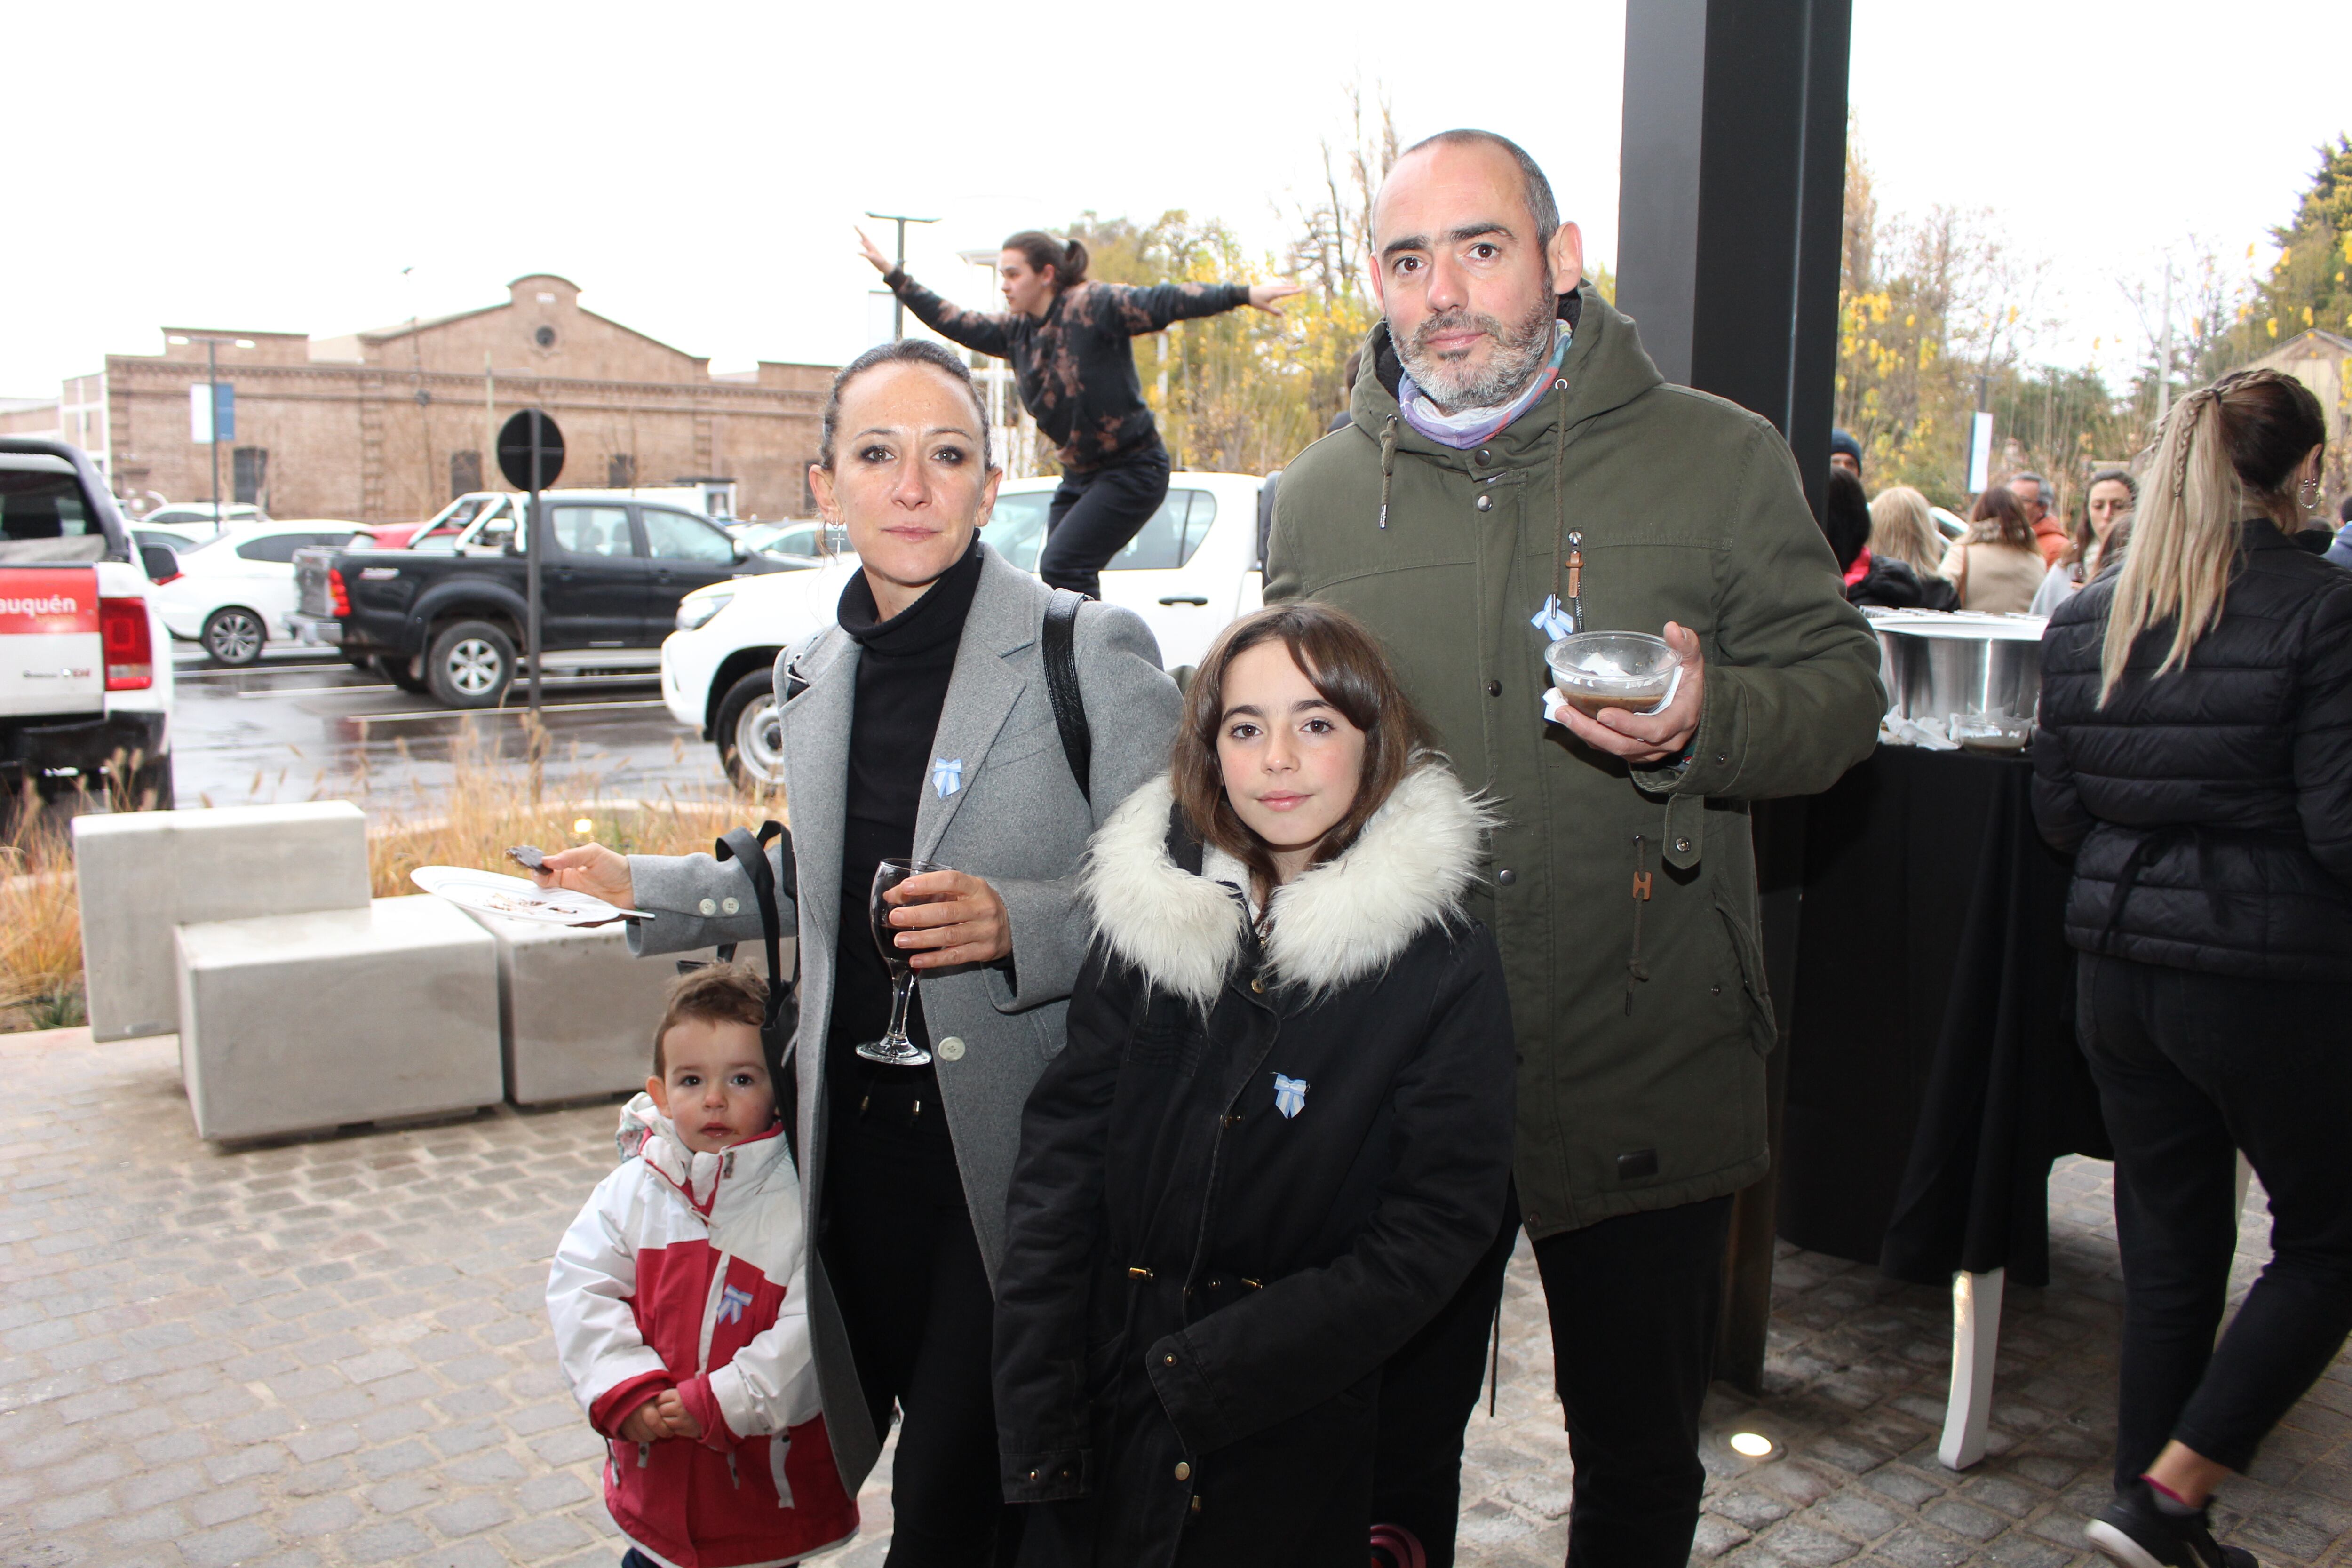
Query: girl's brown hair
[[2000, 518], [1347, 667]]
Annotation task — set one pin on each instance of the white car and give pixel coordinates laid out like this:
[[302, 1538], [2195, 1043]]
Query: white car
[[232, 594], [191, 523], [1189, 571]]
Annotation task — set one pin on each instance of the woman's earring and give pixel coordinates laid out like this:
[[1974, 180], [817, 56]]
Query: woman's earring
[[2310, 497]]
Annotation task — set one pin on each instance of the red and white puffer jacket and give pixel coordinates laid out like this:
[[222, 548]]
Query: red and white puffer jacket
[[690, 1271]]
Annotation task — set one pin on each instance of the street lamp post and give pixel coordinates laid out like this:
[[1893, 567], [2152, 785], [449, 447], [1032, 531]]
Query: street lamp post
[[898, 310]]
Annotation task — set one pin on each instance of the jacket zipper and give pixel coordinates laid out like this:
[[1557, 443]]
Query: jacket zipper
[[1635, 970]]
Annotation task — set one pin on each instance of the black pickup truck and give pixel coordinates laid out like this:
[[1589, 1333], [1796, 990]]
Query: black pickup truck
[[446, 616]]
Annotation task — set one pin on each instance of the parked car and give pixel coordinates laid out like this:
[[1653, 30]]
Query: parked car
[[85, 700], [1191, 570], [446, 614], [232, 594], [798, 541], [191, 522]]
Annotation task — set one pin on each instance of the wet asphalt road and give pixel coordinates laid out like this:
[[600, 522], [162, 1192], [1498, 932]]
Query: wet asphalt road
[[297, 726]]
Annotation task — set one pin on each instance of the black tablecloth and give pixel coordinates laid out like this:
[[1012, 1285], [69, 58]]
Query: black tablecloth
[[1933, 1074]]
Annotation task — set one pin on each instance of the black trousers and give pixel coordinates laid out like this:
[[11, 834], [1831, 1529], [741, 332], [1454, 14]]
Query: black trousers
[[1633, 1302], [905, 1267], [2192, 1068], [1094, 514], [1427, 1391]]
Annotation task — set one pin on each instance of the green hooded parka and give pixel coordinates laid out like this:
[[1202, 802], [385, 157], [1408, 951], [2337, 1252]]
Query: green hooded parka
[[1623, 898]]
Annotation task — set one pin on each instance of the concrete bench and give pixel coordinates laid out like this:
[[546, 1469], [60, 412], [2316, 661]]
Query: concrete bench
[[299, 1022], [145, 873], [577, 1011]]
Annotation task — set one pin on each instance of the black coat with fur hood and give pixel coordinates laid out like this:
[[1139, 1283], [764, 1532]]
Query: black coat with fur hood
[[1256, 1170]]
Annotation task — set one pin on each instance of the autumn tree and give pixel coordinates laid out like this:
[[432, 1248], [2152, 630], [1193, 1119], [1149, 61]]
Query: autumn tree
[[2308, 285]]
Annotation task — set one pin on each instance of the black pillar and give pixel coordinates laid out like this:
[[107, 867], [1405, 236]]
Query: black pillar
[[1730, 213], [1731, 202]]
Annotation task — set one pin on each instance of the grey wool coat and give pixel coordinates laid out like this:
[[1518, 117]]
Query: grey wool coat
[[1018, 820]]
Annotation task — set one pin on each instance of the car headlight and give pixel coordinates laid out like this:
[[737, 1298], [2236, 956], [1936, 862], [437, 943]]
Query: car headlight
[[696, 610]]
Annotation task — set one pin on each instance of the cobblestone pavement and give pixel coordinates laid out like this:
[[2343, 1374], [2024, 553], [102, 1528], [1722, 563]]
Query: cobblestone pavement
[[334, 1352]]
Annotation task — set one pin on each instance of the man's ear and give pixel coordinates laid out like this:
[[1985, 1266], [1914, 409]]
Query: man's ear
[[1566, 255]]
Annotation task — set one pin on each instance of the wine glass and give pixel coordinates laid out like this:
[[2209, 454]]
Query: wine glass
[[894, 1050]]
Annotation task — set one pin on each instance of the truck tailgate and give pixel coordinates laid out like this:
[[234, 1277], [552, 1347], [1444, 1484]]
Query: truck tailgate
[[51, 657]]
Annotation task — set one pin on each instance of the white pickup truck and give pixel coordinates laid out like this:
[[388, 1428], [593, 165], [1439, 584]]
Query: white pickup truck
[[1191, 570], [85, 662]]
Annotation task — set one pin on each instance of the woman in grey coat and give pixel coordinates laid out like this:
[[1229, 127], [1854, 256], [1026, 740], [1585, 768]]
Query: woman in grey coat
[[921, 726]]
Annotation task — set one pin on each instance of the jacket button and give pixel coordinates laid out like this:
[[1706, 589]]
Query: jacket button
[[1257, 986], [1484, 456], [1494, 689], [1032, 1475], [1167, 1360], [1682, 846], [1534, 1218], [1721, 758], [1506, 875], [1486, 503], [951, 1049], [1183, 1470], [711, 905], [730, 905]]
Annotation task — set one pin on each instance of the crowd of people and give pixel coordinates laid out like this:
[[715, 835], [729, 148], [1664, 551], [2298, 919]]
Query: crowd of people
[[1172, 1071]]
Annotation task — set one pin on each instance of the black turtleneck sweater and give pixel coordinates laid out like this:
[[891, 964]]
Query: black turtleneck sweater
[[903, 669]]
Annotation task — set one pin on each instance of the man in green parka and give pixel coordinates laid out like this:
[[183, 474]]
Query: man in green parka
[[1517, 468]]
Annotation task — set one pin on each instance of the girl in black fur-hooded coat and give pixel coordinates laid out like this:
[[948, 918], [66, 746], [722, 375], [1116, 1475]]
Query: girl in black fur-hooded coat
[[1280, 1134]]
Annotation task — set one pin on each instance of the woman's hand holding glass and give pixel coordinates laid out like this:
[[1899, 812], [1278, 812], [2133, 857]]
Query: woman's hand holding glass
[[948, 917]]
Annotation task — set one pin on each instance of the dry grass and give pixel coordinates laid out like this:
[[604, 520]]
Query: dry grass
[[40, 923], [492, 801]]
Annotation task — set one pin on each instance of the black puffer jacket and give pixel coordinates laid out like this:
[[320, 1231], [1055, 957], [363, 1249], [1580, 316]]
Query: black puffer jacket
[[2210, 808], [1254, 1171]]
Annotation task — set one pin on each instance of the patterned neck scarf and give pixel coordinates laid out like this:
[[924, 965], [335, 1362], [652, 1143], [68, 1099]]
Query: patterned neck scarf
[[1469, 427]]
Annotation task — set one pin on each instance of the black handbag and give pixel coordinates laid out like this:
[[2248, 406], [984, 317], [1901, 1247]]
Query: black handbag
[[781, 1020]]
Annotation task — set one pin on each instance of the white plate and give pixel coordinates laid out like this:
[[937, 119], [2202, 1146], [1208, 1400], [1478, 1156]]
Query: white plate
[[516, 898]]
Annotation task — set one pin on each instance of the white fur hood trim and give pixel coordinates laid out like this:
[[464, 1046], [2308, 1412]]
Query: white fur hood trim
[[1331, 925]]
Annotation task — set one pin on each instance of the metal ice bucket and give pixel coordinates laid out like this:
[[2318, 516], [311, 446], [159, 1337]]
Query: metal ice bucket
[[1961, 665]]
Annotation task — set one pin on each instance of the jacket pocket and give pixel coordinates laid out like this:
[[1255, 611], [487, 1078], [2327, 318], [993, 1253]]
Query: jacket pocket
[[1749, 955]]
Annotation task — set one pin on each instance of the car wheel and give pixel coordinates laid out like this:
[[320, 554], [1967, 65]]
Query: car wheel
[[471, 664], [750, 731], [233, 635]]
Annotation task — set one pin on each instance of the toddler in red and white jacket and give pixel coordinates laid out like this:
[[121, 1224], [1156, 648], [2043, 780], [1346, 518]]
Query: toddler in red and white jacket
[[679, 1303]]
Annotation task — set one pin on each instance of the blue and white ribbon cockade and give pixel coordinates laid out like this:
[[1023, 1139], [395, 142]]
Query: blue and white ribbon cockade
[[947, 775]]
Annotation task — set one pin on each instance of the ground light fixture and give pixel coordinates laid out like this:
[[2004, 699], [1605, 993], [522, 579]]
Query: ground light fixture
[[1754, 1445]]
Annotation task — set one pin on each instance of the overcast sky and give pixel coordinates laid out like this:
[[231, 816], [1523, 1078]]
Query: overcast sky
[[696, 169]]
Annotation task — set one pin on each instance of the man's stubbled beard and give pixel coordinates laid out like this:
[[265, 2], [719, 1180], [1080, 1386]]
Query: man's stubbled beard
[[1452, 386]]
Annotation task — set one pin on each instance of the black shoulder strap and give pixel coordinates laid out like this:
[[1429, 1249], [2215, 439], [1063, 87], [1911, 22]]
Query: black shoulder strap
[[777, 1030], [1061, 686]]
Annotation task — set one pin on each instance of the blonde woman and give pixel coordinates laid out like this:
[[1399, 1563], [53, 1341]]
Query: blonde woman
[[1902, 528], [1995, 564], [2195, 753]]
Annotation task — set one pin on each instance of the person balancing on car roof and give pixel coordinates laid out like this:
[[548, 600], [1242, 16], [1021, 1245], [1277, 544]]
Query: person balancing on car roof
[[1067, 337]]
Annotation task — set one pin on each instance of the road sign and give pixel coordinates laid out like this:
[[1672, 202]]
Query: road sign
[[210, 418], [530, 433], [530, 453]]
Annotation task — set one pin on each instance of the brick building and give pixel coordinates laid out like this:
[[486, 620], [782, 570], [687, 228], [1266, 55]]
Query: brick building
[[386, 426]]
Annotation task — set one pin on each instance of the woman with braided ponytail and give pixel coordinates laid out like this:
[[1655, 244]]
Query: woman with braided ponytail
[[2194, 752], [1069, 339]]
